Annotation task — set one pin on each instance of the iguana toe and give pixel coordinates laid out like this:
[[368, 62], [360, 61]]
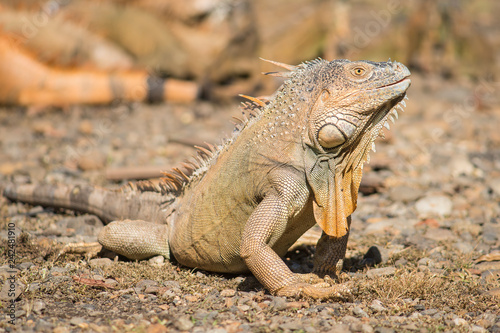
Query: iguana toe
[[316, 291]]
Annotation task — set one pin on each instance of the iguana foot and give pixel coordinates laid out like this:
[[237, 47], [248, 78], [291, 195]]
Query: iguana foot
[[313, 286], [316, 291]]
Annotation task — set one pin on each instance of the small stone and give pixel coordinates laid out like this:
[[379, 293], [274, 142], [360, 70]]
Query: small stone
[[460, 322], [191, 298], [419, 307], [365, 328], [60, 329], [7, 272], [494, 185], [100, 262], [358, 312], [410, 327], [425, 262], [217, 330], [439, 205], [278, 303], [24, 265], [183, 323], [77, 321], [33, 286], [340, 328], [493, 292], [429, 312], [85, 127], [401, 262], [43, 326], [156, 328], [478, 329], [379, 227], [376, 255], [151, 289], [83, 225], [157, 261], [384, 271], [404, 193], [38, 306], [350, 320], [58, 271], [461, 166], [228, 293], [415, 315], [93, 160], [360, 327], [486, 319], [172, 284], [463, 247], [143, 284], [244, 307], [111, 282], [384, 330], [439, 234], [4, 234], [11, 289], [376, 306]]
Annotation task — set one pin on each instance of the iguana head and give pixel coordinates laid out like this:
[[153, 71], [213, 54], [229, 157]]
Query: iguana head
[[352, 103]]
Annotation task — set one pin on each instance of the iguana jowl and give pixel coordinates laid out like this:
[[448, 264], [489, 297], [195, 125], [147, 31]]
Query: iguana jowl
[[297, 161]]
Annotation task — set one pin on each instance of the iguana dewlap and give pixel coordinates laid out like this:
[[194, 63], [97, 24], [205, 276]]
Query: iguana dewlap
[[295, 162]]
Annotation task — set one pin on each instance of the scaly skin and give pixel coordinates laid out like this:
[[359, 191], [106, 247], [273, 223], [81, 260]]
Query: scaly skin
[[298, 161]]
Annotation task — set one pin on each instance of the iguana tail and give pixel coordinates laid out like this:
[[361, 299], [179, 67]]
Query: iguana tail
[[108, 205], [26, 81]]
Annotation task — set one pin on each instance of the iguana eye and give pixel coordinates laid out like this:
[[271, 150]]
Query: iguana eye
[[358, 71], [330, 136]]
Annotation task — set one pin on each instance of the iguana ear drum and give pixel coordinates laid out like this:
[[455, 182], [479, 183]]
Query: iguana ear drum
[[330, 136]]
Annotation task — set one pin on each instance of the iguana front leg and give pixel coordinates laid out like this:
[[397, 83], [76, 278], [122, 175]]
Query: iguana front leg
[[268, 221], [330, 254]]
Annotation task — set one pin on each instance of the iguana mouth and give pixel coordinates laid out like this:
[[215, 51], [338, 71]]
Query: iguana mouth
[[403, 80]]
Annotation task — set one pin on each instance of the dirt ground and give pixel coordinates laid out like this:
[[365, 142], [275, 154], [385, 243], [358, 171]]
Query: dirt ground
[[424, 255]]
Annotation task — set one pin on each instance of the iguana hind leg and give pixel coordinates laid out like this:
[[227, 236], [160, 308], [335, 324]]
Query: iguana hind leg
[[136, 239]]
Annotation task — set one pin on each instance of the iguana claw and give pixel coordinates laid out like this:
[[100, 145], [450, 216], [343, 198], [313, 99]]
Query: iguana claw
[[316, 291]]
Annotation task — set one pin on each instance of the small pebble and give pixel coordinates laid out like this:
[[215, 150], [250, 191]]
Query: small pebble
[[183, 323], [384, 271], [38, 307], [358, 312], [439, 205], [228, 293], [100, 262]]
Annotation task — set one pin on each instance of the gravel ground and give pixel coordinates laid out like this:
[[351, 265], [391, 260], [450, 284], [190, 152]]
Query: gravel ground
[[424, 254]]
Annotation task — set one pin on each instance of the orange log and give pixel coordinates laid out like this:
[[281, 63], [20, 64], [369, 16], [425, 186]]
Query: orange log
[[26, 81]]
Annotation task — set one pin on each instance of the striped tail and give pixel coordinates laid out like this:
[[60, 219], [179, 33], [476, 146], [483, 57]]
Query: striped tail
[[26, 81]]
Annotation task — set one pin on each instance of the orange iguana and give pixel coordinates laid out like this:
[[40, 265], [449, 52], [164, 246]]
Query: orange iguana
[[295, 162], [28, 82]]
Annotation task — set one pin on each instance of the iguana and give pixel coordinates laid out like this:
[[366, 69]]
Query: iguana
[[24, 80], [296, 160]]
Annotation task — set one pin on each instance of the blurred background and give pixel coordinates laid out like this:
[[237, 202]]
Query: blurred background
[[64, 52]]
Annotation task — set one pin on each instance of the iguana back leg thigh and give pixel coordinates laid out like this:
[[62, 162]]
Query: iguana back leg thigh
[[136, 239]]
